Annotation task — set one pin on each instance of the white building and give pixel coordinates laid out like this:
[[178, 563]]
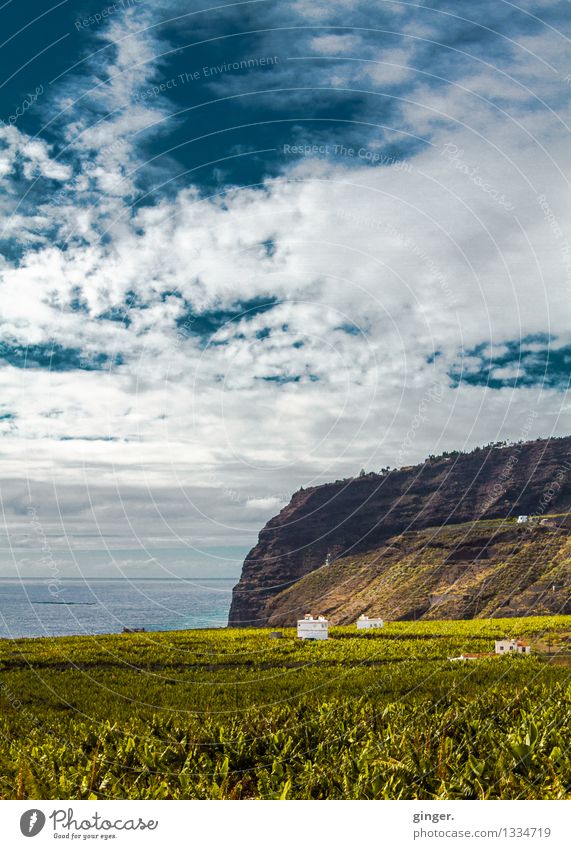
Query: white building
[[312, 628], [522, 520], [365, 622], [467, 657], [512, 647]]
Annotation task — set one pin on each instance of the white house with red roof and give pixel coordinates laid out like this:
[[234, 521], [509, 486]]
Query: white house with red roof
[[512, 647]]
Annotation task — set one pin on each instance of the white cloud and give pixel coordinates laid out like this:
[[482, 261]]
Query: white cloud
[[334, 45], [265, 505], [32, 155], [384, 277]]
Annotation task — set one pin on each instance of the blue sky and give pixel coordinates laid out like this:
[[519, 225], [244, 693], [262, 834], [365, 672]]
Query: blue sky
[[253, 246]]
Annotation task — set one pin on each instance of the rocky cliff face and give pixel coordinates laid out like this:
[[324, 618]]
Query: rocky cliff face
[[350, 518], [479, 569]]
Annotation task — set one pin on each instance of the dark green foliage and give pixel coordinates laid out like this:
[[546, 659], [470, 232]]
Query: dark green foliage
[[232, 714]]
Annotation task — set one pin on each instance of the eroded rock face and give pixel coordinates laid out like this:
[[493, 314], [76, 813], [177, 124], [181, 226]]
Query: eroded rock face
[[360, 515], [489, 568]]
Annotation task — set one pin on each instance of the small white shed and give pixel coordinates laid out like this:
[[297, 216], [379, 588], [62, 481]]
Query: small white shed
[[512, 647], [312, 628], [366, 622]]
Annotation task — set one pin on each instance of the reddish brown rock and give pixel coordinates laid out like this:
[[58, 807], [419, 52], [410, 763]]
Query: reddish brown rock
[[348, 518]]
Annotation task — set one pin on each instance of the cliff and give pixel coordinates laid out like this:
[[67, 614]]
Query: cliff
[[372, 527], [482, 569]]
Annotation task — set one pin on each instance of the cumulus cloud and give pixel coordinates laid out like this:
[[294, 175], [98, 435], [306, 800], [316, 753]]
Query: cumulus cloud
[[178, 364]]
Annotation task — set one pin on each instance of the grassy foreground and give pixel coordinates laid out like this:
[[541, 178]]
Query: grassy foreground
[[232, 714]]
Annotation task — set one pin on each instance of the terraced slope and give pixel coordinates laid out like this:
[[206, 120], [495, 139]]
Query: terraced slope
[[377, 530], [475, 570]]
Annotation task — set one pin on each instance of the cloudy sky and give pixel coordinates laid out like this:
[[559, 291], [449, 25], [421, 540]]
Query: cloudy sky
[[250, 247]]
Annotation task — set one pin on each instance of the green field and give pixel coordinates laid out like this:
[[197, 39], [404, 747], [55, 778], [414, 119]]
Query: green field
[[232, 714]]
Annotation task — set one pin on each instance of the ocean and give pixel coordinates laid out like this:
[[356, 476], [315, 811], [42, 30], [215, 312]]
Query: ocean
[[106, 606]]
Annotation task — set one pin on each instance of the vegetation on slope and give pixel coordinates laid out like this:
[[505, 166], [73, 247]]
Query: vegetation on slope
[[350, 518], [478, 569]]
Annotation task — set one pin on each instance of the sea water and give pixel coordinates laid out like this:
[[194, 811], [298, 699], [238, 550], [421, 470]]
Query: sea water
[[103, 606]]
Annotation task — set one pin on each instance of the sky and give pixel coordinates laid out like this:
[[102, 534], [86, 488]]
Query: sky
[[256, 246]]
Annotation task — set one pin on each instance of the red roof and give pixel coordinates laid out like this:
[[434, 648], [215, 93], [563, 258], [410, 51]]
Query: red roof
[[480, 654]]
